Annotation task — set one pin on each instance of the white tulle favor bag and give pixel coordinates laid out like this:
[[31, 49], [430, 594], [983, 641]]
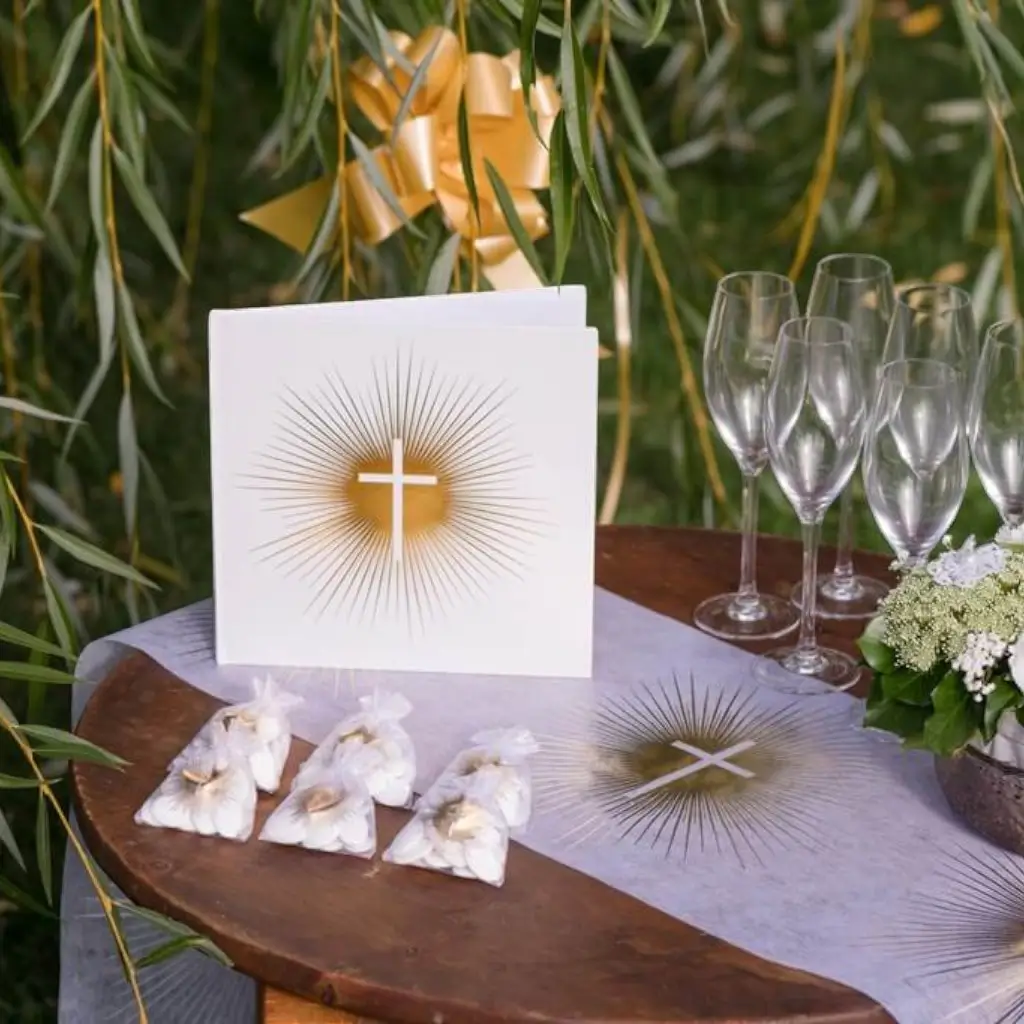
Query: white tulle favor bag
[[209, 790], [380, 747]]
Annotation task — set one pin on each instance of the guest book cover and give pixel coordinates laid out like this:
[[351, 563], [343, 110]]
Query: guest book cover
[[406, 484]]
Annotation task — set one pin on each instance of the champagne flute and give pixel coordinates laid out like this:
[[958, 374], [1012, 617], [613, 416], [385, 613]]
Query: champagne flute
[[815, 417], [916, 456], [857, 289], [748, 309], [996, 419], [934, 321]]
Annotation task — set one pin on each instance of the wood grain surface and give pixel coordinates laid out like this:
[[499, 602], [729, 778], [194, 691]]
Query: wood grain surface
[[394, 944]]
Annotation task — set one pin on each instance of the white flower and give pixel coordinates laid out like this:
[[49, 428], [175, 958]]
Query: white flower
[[1016, 655], [1012, 536], [967, 566], [981, 652]]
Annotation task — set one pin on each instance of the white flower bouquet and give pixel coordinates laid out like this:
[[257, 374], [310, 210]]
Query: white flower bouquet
[[947, 652]]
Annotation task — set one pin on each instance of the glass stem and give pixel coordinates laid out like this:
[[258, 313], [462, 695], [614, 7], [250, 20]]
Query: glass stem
[[808, 642], [747, 594], [843, 571]]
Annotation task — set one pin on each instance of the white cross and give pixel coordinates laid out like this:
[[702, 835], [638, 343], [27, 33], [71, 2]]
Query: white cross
[[704, 760], [398, 480]]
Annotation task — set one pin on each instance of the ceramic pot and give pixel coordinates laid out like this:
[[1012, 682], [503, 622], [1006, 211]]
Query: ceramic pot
[[987, 794]]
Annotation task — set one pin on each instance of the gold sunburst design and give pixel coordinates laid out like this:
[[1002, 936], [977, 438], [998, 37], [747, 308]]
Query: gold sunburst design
[[403, 498], [681, 769], [966, 922]]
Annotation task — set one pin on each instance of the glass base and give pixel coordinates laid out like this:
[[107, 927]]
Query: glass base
[[808, 672], [732, 618], [845, 597]]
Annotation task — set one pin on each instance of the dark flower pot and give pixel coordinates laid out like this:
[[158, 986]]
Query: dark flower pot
[[988, 795]]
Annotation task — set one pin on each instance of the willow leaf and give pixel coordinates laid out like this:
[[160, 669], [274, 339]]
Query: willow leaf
[[136, 346], [661, 12], [126, 107], [63, 62], [26, 672], [173, 947], [28, 409], [8, 841], [13, 194], [377, 179], [160, 103], [440, 277], [547, 27], [21, 638], [577, 130], [59, 743], [97, 203], [466, 156], [515, 224], [93, 556], [8, 526], [1003, 47], [22, 899], [60, 618], [415, 84], [527, 57], [148, 209], [44, 855], [17, 782], [563, 209], [71, 138], [137, 34]]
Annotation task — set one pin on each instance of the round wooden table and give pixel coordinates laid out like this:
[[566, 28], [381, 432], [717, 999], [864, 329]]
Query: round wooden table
[[343, 937]]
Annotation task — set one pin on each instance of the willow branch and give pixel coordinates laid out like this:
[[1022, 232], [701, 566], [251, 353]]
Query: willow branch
[[344, 238]]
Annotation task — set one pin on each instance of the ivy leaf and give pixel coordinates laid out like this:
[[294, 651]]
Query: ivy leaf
[[876, 653], [574, 102], [515, 224], [70, 138], [148, 209], [58, 743], [909, 687], [1004, 697], [563, 209], [94, 556], [62, 65], [44, 856], [956, 717], [8, 841]]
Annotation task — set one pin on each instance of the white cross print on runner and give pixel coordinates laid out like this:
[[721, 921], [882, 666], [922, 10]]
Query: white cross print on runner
[[704, 760], [399, 480]]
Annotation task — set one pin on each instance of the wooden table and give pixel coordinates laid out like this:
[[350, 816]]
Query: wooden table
[[392, 944]]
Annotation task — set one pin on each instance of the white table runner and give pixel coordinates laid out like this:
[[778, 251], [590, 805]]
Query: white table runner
[[813, 844]]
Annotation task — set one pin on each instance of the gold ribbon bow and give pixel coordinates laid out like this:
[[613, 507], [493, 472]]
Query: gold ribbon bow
[[421, 161]]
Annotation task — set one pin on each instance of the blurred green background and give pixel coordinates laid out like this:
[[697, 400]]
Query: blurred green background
[[737, 116]]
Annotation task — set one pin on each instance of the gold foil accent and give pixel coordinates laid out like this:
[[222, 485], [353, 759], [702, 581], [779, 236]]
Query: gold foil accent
[[421, 160], [320, 798]]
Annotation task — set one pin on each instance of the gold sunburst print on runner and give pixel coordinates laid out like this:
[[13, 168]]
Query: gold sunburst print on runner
[[682, 769], [401, 497]]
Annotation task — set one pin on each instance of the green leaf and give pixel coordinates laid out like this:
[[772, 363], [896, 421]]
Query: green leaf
[[94, 556], [369, 164], [22, 899], [904, 720], [44, 856], [20, 638], [103, 294], [127, 110], [59, 508], [70, 139], [527, 60], [508, 208], [7, 840], [909, 687], [160, 103], [28, 409], [137, 34], [7, 715], [544, 25], [63, 62], [99, 375], [574, 102], [563, 209], [173, 947], [58, 743], [466, 158], [12, 192], [97, 204], [59, 618], [440, 277], [876, 653], [326, 232], [1003, 47], [128, 452], [175, 928], [661, 12], [16, 782], [136, 346], [310, 121], [956, 718], [415, 84], [1004, 697], [25, 671], [148, 210]]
